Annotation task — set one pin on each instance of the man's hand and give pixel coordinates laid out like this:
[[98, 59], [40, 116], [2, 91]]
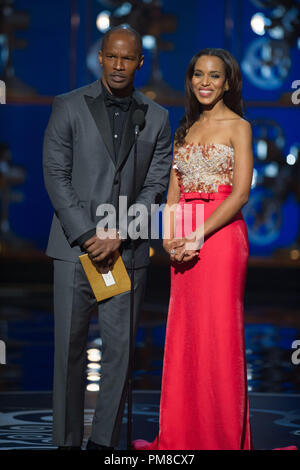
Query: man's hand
[[102, 245], [104, 266]]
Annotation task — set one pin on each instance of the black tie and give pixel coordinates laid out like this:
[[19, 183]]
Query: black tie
[[122, 103]]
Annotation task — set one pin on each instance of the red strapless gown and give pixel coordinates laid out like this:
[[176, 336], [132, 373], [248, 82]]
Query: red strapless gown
[[204, 398]]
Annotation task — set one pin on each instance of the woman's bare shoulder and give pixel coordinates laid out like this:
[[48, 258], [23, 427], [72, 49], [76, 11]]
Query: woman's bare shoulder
[[241, 125], [240, 132]]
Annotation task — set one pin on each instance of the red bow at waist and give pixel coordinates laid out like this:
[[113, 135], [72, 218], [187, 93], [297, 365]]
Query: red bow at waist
[[223, 191]]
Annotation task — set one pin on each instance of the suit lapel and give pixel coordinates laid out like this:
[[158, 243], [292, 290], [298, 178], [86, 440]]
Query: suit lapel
[[100, 115], [98, 111], [128, 131]]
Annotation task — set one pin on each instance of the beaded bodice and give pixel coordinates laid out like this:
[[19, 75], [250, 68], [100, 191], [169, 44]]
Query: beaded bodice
[[203, 167]]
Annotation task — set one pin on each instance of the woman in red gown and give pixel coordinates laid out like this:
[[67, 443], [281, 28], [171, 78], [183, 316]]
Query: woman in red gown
[[204, 399]]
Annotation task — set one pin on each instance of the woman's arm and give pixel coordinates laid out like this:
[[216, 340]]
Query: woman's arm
[[241, 185], [169, 210], [169, 217]]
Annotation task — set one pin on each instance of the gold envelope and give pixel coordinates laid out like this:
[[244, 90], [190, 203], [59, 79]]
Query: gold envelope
[[117, 280]]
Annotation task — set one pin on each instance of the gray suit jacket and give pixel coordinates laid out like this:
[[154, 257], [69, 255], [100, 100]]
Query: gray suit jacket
[[80, 172]]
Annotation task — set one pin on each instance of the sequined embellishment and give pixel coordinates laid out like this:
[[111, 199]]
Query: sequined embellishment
[[203, 167]]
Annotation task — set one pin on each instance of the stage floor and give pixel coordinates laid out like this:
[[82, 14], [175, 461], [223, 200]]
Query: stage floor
[[26, 419], [272, 324]]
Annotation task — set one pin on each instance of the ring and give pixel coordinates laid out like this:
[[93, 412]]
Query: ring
[[172, 252]]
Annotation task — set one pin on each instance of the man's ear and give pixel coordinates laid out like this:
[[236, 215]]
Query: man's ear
[[141, 61], [100, 57]]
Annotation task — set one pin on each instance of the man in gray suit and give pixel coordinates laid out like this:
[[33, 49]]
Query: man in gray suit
[[88, 160]]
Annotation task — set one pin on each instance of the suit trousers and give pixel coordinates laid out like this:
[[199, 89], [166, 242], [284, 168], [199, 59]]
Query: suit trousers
[[74, 303]]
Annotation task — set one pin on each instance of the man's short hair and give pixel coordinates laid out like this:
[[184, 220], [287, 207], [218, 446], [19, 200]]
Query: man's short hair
[[124, 27]]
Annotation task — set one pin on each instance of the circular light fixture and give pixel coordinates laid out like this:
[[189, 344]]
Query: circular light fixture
[[123, 10], [277, 32], [291, 159], [94, 355], [258, 23], [94, 377], [262, 149], [149, 42], [92, 387], [94, 366], [271, 170], [103, 21], [93, 351]]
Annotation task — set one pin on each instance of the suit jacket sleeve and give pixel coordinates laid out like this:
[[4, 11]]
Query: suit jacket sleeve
[[158, 174], [57, 167]]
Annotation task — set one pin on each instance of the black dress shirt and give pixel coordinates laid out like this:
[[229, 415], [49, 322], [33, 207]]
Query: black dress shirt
[[117, 109]]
